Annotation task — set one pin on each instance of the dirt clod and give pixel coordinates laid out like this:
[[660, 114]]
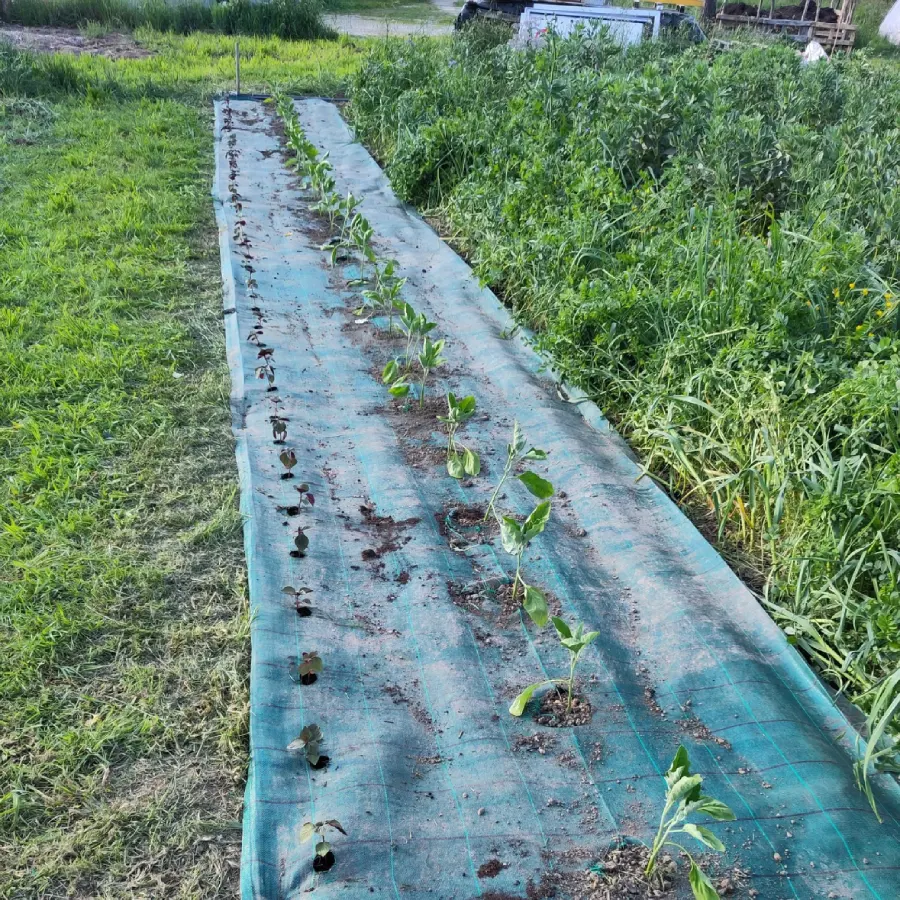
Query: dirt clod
[[554, 714]]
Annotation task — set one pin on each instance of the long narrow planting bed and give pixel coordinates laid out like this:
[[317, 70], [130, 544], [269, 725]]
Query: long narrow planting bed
[[389, 641]]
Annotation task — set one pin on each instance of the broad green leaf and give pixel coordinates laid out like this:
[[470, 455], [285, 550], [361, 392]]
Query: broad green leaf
[[681, 761], [684, 787], [535, 523], [390, 372], [306, 832], [537, 486], [399, 390], [536, 606], [704, 835], [518, 441], [471, 463], [535, 454], [312, 754], [561, 627], [519, 704], [511, 536], [322, 848], [716, 809], [455, 466], [301, 541], [589, 638], [335, 824], [701, 885], [296, 744], [467, 405]]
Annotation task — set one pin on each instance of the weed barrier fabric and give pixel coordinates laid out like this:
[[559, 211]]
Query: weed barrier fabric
[[442, 793]]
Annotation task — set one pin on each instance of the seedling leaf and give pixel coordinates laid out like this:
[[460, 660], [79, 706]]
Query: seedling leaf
[[322, 848], [535, 523], [700, 884], [704, 835], [455, 466], [511, 535], [535, 604], [471, 462], [519, 704], [307, 831], [537, 486]]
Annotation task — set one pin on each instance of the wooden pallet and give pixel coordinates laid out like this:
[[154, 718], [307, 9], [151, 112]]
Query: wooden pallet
[[832, 36]]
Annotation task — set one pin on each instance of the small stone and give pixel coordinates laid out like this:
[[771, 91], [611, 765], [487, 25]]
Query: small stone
[[481, 811], [776, 857]]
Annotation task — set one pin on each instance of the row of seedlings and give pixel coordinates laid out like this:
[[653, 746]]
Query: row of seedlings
[[407, 375]]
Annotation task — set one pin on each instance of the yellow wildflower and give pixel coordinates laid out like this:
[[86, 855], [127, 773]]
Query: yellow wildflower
[[888, 296], [865, 292], [836, 292], [879, 313], [852, 285]]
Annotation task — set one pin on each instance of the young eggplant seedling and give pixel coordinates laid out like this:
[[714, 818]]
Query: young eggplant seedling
[[574, 641], [416, 325], [516, 453], [310, 667], [683, 798], [288, 460], [459, 412], [430, 358], [515, 539], [324, 858], [309, 741]]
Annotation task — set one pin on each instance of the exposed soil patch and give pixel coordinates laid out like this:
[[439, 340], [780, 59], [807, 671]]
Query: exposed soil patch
[[699, 731], [493, 598], [413, 421], [70, 40], [540, 742], [553, 712], [491, 869], [388, 531], [464, 525]]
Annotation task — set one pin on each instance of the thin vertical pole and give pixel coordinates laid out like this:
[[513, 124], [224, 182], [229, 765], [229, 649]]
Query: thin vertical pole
[[237, 66]]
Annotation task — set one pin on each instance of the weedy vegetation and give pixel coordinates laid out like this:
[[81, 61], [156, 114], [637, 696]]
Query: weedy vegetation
[[575, 642]]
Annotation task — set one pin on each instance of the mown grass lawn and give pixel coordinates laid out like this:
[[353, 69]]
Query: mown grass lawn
[[124, 627]]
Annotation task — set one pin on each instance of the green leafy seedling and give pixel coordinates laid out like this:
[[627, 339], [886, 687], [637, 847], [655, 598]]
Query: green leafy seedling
[[516, 538], [305, 495], [310, 829], [430, 358], [393, 375], [309, 741], [279, 429], [310, 666], [416, 325], [466, 462], [574, 641], [301, 542], [683, 799], [516, 452], [288, 460]]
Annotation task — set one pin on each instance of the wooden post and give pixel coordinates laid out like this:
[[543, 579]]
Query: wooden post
[[237, 67], [709, 10]]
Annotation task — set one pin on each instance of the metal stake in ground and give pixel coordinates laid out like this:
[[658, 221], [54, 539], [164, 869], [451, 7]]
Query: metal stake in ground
[[237, 67]]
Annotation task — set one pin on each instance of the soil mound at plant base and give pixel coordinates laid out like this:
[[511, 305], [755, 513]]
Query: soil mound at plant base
[[430, 775]]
